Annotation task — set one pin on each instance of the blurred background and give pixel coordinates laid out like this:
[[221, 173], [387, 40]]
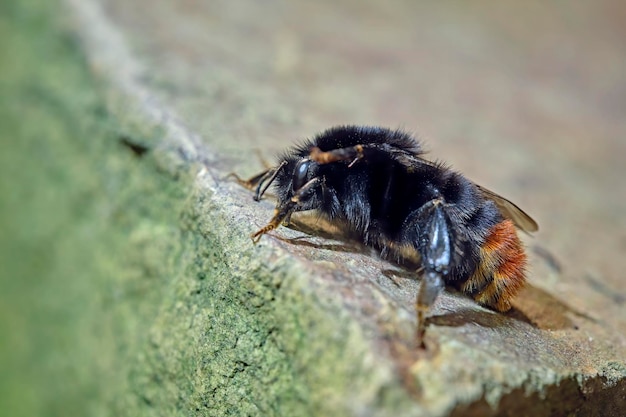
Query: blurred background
[[526, 98]]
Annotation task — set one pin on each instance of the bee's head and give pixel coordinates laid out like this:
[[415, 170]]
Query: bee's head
[[295, 181]]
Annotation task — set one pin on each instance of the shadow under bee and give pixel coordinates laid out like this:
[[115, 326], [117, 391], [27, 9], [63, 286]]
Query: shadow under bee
[[533, 305], [320, 228]]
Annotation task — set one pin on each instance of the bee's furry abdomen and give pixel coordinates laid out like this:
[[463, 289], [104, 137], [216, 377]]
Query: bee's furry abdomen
[[500, 274]]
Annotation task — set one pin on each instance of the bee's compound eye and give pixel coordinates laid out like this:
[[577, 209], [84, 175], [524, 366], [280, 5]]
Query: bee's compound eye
[[300, 174]]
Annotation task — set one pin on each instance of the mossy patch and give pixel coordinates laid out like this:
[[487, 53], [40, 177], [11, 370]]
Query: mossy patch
[[89, 229], [126, 290]]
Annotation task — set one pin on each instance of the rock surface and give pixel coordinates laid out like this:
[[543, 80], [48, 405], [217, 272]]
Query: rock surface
[[525, 99]]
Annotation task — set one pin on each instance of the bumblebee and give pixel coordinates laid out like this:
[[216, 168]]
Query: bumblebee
[[376, 183]]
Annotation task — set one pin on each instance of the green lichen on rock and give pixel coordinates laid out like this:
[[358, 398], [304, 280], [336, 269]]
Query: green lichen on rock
[[124, 290], [87, 227]]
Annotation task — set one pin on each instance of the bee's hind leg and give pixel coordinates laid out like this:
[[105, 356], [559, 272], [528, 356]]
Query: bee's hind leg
[[435, 245]]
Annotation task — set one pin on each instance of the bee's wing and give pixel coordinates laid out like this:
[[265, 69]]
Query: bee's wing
[[509, 210]]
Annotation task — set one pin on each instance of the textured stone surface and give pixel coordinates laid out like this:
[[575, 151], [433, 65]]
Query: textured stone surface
[[525, 99]]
